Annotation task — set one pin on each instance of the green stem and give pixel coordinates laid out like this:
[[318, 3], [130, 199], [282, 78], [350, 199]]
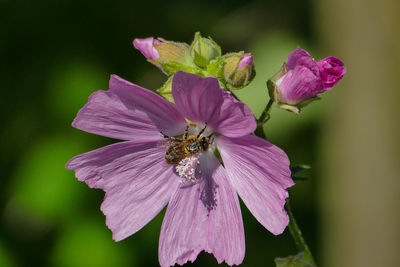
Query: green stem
[[263, 119], [298, 237]]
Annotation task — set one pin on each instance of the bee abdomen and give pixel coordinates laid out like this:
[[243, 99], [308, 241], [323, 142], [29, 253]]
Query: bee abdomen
[[174, 155]]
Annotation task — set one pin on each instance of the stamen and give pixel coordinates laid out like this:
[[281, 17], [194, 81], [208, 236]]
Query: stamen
[[187, 169]]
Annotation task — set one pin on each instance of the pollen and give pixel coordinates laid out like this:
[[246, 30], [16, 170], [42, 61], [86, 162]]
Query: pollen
[[187, 169]]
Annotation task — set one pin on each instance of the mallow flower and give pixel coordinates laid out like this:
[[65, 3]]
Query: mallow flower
[[141, 175], [301, 79]]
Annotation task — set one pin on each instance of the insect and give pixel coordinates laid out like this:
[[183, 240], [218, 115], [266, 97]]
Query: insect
[[186, 146]]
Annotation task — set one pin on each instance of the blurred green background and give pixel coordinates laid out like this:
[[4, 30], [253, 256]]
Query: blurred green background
[[54, 54]]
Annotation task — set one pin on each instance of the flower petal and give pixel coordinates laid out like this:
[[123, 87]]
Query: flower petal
[[137, 181], [129, 112], [299, 84], [203, 216], [259, 171], [201, 100], [236, 119], [146, 47], [331, 70], [301, 57]]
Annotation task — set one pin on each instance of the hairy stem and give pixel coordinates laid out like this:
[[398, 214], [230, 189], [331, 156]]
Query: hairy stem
[[298, 237]]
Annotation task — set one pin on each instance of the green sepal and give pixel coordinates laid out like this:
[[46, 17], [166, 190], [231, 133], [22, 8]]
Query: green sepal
[[166, 90], [307, 101], [293, 261], [290, 108], [271, 89], [246, 79], [297, 108], [171, 67], [215, 67], [199, 60]]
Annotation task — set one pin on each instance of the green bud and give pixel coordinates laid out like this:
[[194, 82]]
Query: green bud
[[203, 50], [238, 70]]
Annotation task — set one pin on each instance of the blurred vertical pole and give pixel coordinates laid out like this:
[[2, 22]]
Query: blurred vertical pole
[[360, 148]]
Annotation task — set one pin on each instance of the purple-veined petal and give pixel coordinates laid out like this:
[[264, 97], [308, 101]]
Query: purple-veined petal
[[203, 216], [299, 84], [236, 118], [301, 57], [146, 47], [201, 100], [137, 181], [129, 112], [259, 172], [198, 99]]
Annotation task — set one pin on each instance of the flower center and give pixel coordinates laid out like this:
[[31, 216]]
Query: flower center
[[183, 151], [187, 169]]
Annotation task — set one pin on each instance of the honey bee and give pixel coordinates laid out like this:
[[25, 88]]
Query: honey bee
[[186, 146]]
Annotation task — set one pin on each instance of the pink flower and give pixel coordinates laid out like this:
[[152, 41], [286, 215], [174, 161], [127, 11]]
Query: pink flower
[[301, 79], [203, 211]]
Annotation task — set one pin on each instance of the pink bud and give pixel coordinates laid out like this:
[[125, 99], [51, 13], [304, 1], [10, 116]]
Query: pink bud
[[246, 60], [146, 47], [331, 70], [301, 79]]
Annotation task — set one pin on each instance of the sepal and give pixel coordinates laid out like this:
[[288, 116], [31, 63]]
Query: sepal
[[203, 50]]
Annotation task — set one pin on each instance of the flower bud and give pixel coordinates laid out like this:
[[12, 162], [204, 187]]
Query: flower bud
[[238, 70], [147, 48], [203, 50], [331, 70], [168, 56], [301, 79]]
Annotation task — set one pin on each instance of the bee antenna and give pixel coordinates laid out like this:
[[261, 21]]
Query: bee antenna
[[202, 130]]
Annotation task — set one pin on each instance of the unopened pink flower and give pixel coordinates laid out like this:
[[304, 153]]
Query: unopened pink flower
[[147, 48], [302, 78], [203, 211], [245, 60]]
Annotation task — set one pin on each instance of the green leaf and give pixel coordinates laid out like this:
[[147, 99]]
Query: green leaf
[[293, 261], [298, 170]]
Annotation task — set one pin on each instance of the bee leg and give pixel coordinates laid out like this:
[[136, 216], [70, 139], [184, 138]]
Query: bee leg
[[185, 135], [202, 130], [211, 138], [171, 139], [165, 136]]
